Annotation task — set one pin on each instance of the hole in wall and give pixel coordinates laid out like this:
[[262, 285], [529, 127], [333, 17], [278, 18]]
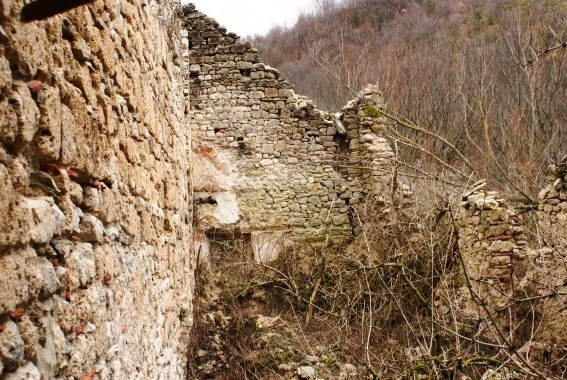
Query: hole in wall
[[208, 200], [241, 143], [341, 161], [107, 183]]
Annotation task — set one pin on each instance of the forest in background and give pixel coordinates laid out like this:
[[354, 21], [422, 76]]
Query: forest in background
[[472, 88]]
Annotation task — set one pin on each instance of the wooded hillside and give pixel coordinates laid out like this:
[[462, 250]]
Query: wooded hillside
[[483, 78]]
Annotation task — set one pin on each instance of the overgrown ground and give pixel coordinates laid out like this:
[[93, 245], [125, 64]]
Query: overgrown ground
[[250, 324], [385, 307]]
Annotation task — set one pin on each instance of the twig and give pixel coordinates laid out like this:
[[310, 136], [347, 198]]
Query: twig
[[311, 299], [561, 45]]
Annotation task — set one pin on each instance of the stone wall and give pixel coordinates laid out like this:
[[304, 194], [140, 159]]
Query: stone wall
[[514, 268], [552, 210], [493, 243], [267, 159], [95, 268], [551, 257]]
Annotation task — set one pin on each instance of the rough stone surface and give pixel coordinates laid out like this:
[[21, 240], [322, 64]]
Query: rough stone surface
[[91, 229], [504, 262], [281, 158], [11, 347], [306, 372], [95, 234], [27, 372], [46, 219]]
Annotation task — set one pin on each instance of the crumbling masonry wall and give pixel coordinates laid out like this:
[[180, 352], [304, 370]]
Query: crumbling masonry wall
[[95, 268], [551, 259], [266, 160], [506, 258]]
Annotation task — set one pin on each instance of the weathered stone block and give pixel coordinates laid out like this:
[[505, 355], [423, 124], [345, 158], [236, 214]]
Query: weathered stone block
[[271, 92], [27, 113], [238, 48], [20, 279], [50, 282], [8, 123], [257, 94], [11, 347], [48, 140], [297, 221], [82, 264], [28, 372], [91, 198], [268, 148], [46, 219], [92, 229], [340, 219], [243, 65]]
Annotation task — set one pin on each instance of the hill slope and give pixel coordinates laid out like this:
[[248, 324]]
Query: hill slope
[[466, 70]]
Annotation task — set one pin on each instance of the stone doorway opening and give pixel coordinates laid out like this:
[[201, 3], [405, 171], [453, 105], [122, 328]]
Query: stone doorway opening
[[215, 248], [219, 247]]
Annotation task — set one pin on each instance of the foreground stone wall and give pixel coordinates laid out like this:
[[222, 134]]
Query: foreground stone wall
[[95, 268], [267, 159]]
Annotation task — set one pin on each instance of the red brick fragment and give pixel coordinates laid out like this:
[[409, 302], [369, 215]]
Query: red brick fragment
[[17, 314], [35, 86]]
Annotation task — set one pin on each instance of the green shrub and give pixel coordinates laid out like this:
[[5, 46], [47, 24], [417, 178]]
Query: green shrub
[[370, 111]]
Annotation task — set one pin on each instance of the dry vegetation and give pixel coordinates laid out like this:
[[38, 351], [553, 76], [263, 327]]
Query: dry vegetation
[[489, 77], [389, 305]]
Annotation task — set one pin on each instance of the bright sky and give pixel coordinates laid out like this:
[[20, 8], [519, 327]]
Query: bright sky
[[249, 17]]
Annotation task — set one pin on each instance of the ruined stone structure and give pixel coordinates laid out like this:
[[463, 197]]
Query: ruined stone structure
[[551, 258], [97, 268], [505, 258], [102, 161], [267, 162], [552, 211]]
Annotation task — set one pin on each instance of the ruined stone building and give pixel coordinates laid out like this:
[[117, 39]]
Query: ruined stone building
[[131, 133], [266, 162]]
